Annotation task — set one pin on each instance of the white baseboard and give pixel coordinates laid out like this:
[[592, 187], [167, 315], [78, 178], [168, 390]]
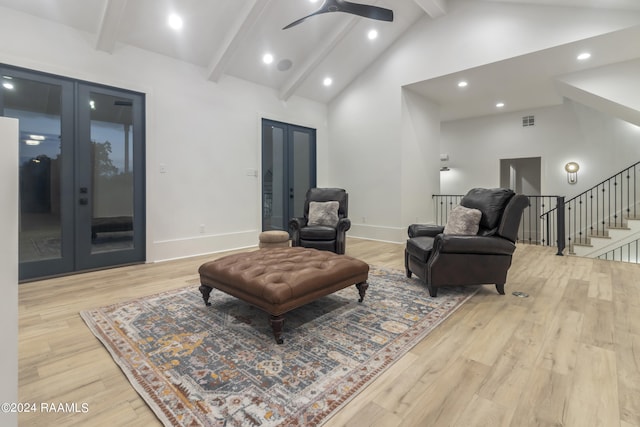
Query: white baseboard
[[166, 250], [379, 233], [201, 245]]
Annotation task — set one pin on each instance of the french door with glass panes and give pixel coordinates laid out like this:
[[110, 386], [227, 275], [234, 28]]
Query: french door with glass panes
[[288, 171], [81, 173]]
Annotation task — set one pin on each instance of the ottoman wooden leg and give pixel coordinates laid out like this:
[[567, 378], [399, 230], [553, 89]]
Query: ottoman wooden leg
[[362, 289], [276, 325], [206, 292]]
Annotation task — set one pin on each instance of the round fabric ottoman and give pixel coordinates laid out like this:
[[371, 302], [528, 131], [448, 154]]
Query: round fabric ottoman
[[273, 239]]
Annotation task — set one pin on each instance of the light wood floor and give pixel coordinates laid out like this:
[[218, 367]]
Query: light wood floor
[[567, 355]]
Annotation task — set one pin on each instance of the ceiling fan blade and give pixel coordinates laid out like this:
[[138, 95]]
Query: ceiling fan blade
[[367, 11], [364, 10], [296, 22]]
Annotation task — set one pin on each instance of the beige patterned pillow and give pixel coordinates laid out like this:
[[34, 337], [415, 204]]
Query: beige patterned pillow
[[323, 213], [463, 221]]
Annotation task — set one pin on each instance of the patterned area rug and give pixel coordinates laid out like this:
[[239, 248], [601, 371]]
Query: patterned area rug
[[213, 366]]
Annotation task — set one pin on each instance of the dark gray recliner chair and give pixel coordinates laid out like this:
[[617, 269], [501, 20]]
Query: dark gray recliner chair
[[324, 237], [452, 260]]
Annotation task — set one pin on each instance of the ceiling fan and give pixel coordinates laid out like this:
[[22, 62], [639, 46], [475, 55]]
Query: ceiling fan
[[365, 10]]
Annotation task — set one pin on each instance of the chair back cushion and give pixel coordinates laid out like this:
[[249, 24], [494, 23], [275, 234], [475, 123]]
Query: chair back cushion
[[491, 202], [511, 217]]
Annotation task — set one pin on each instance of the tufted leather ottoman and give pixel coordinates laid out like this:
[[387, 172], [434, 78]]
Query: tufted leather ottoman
[[280, 279]]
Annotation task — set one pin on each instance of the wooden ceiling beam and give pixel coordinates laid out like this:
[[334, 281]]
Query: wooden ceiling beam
[[313, 60], [434, 8], [239, 31], [109, 24]]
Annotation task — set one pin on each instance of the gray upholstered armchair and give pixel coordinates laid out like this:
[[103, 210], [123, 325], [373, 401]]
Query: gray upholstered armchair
[[450, 258], [325, 223]]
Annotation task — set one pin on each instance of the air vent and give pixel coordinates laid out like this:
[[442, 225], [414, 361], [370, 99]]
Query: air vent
[[528, 121]]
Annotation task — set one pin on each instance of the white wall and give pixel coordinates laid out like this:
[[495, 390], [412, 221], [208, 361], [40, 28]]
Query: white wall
[[9, 267], [365, 156], [420, 157], [206, 134], [367, 122], [602, 145], [611, 88]]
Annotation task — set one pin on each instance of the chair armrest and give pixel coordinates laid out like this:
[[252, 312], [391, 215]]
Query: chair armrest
[[429, 230], [488, 245], [344, 224], [295, 224]]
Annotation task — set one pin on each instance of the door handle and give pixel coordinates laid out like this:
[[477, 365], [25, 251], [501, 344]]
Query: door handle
[[83, 200]]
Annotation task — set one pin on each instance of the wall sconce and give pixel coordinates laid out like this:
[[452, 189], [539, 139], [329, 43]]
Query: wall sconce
[[572, 169]]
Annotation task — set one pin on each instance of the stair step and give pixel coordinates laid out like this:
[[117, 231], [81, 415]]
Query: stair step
[[618, 227], [603, 233], [584, 245]]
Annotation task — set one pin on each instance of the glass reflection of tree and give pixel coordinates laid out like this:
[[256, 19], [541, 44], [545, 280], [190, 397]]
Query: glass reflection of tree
[[102, 162], [112, 187]]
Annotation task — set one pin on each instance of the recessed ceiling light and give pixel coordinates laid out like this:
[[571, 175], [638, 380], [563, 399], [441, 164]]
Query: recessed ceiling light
[[175, 21], [267, 58], [462, 83], [37, 137], [373, 34], [327, 81], [583, 56], [31, 142], [7, 85], [500, 104]]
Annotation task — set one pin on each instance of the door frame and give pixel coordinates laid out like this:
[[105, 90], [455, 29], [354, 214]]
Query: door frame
[[34, 270], [72, 223], [290, 128], [84, 258], [511, 171]]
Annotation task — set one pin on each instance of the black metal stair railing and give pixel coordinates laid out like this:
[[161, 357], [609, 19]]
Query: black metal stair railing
[[537, 225], [604, 206], [626, 253], [443, 204], [553, 220]]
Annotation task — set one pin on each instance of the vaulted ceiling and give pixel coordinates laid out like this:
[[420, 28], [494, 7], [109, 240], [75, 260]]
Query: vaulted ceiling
[[527, 81], [230, 37]]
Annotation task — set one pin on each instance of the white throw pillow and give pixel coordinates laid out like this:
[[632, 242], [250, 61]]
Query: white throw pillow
[[463, 221], [323, 213]]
